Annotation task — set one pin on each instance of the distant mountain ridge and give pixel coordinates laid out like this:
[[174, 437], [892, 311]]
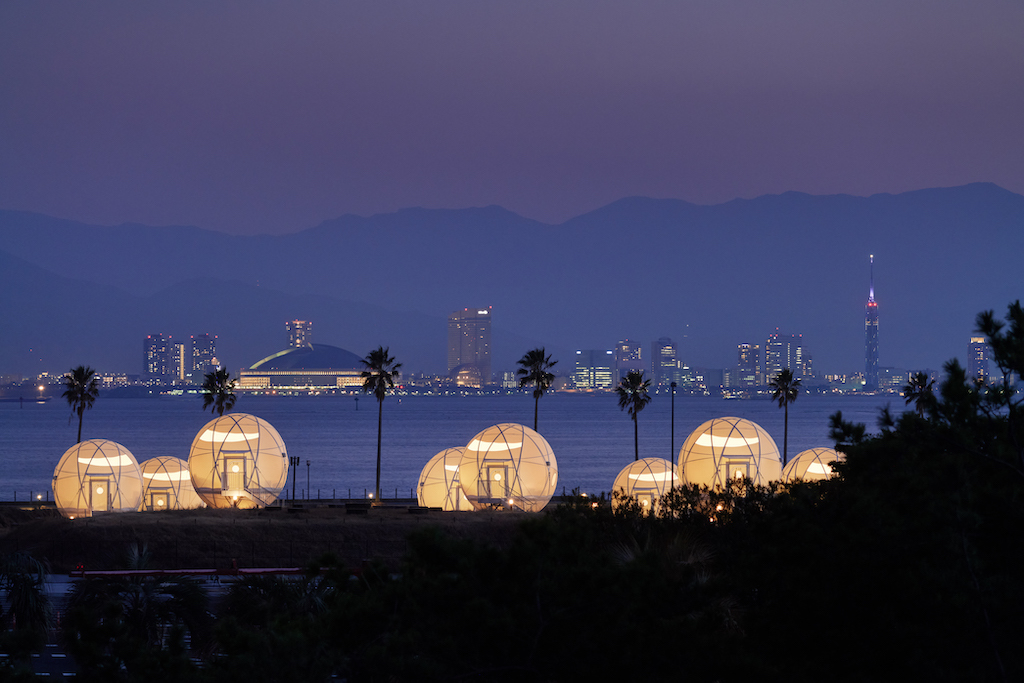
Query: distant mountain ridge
[[708, 276]]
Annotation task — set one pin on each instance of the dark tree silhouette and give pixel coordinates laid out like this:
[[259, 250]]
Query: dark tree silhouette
[[378, 379], [218, 391], [784, 391], [632, 391], [534, 370], [82, 386], [919, 391]]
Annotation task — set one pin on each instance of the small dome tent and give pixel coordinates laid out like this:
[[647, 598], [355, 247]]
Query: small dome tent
[[728, 448], [509, 466], [97, 476], [238, 460], [811, 465], [646, 480], [439, 485], [167, 485]]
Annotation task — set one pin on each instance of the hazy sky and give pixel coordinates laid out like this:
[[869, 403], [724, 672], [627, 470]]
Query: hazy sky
[[272, 116]]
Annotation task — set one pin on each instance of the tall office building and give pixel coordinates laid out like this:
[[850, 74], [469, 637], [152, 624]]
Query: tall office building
[[204, 355], [158, 357], [979, 353], [749, 372], [594, 370], [627, 358], [784, 351], [300, 333], [664, 362], [469, 341], [871, 335], [179, 360]]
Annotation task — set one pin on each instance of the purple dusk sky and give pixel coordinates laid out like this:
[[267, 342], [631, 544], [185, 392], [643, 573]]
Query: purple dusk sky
[[272, 116]]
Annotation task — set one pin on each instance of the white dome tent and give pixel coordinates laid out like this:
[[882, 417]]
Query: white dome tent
[[167, 485], [811, 465], [439, 485], [729, 448], [509, 466], [97, 476], [646, 480], [238, 460]]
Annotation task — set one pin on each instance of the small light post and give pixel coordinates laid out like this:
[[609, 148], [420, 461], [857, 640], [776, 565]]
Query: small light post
[[307, 478], [293, 462], [672, 428]]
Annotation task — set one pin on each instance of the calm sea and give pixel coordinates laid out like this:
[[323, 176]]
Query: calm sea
[[336, 438]]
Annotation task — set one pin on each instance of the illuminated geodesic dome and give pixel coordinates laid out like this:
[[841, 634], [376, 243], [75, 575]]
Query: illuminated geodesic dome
[[238, 460], [729, 448], [167, 485], [97, 476], [646, 480], [509, 466], [811, 465], [439, 482]]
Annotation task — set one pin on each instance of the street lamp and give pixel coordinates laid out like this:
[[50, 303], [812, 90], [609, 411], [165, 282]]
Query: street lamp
[[307, 478], [672, 420], [293, 462]]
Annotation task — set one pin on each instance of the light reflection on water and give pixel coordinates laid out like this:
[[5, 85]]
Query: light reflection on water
[[591, 438]]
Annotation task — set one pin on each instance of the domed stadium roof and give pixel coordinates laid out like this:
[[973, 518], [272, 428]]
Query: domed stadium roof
[[311, 357]]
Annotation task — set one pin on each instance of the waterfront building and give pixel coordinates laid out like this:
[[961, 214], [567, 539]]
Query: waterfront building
[[784, 351], [979, 353], [469, 343], [627, 357], [595, 369], [204, 355], [748, 369], [871, 335], [664, 362], [313, 367], [300, 333], [179, 360], [157, 362]]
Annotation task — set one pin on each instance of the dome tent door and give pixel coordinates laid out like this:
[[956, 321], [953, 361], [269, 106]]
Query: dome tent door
[[234, 474], [99, 494], [497, 481], [159, 500], [734, 468]]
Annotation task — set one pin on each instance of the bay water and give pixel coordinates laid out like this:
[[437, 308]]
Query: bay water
[[336, 437]]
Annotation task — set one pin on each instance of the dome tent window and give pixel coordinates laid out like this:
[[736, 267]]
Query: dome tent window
[[238, 460], [97, 476], [509, 466]]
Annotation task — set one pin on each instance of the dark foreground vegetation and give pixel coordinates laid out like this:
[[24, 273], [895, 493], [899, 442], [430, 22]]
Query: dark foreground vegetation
[[906, 566]]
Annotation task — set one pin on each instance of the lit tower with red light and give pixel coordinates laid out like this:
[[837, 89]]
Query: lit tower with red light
[[871, 336]]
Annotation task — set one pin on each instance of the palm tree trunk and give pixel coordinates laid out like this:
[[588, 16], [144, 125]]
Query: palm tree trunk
[[636, 439], [380, 421], [79, 426], [536, 404], [785, 433]]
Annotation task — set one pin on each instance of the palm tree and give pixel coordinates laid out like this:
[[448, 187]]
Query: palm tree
[[378, 379], [82, 388], [632, 391], [784, 390], [535, 366], [919, 391], [218, 391]]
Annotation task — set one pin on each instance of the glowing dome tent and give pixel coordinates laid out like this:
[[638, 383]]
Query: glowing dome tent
[[729, 448], [509, 466], [811, 465], [167, 485], [646, 480], [439, 485], [97, 476], [238, 460]]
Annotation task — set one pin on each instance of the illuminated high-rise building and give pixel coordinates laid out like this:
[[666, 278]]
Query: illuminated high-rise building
[[594, 370], [664, 362], [469, 342], [750, 374], [627, 357], [158, 357], [179, 360], [871, 335], [300, 333], [979, 353], [204, 354], [783, 351]]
